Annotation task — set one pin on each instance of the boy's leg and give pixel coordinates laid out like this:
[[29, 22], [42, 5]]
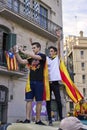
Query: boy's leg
[[38, 110], [48, 107], [28, 98], [39, 98], [58, 100], [28, 109]]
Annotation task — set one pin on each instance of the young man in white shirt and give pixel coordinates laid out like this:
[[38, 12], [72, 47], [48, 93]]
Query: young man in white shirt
[[54, 80]]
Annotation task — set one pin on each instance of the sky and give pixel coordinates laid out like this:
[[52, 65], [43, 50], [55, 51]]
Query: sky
[[74, 17]]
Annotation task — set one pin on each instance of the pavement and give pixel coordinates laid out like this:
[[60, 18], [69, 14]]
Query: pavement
[[32, 126]]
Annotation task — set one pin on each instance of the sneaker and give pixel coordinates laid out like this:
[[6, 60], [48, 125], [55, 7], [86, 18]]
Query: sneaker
[[26, 121], [50, 123], [40, 123]]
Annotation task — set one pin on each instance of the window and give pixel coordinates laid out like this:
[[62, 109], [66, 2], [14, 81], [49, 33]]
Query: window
[[84, 92], [27, 7], [10, 41], [38, 13], [47, 52], [13, 4], [83, 78], [82, 54], [71, 106], [43, 16], [2, 96], [36, 10], [83, 65], [7, 40], [16, 5], [10, 3]]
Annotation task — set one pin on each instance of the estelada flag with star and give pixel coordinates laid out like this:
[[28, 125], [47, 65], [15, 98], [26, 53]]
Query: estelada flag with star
[[11, 61]]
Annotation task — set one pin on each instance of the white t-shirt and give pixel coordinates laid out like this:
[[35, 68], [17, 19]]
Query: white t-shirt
[[53, 68]]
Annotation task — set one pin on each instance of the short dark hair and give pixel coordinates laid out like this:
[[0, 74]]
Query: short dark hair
[[37, 44], [52, 47]]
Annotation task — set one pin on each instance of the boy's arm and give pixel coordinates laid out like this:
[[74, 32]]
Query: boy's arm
[[18, 57], [58, 33], [30, 54]]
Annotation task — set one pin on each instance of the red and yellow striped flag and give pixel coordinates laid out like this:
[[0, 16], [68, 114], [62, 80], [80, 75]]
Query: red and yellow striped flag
[[46, 94], [71, 88], [11, 61]]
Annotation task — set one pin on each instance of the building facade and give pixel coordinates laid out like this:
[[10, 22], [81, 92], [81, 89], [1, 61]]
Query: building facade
[[19, 21], [76, 61]]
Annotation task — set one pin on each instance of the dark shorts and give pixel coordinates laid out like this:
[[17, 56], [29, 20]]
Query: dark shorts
[[37, 88]]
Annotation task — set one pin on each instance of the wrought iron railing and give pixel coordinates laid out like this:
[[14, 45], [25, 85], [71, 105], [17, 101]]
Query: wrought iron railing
[[30, 14]]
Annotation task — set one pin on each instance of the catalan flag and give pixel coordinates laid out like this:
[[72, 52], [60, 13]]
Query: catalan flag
[[46, 94], [11, 61], [71, 88]]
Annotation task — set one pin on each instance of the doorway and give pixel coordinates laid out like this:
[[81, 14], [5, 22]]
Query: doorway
[[3, 42], [3, 103]]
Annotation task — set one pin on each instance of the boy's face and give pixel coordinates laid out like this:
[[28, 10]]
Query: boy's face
[[35, 49], [52, 52]]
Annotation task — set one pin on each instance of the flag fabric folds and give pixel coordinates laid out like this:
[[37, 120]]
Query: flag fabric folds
[[27, 87], [11, 61], [71, 88], [46, 94]]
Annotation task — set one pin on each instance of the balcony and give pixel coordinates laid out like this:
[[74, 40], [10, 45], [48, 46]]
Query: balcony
[[17, 74], [29, 18]]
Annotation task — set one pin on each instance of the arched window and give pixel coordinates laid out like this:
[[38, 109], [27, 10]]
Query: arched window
[[7, 40]]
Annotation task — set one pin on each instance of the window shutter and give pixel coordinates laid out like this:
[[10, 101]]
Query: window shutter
[[11, 40]]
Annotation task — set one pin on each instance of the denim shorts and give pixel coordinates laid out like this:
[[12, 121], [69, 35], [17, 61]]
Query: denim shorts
[[37, 88]]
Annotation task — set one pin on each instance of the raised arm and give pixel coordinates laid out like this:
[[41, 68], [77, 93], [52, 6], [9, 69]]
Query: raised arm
[[58, 33], [30, 54], [18, 57]]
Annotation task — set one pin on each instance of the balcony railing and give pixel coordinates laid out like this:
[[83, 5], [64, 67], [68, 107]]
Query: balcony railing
[[29, 14]]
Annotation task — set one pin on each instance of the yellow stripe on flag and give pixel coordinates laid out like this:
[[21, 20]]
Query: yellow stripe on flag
[[71, 89], [27, 87], [46, 95]]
